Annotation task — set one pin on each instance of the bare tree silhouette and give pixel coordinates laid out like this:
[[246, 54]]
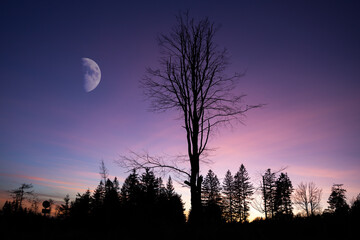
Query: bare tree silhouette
[[20, 194], [192, 81], [307, 196]]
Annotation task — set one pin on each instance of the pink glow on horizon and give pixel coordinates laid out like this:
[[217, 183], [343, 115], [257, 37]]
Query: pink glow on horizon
[[47, 181], [54, 135]]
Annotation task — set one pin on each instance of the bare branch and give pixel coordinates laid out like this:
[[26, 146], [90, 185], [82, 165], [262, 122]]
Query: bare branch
[[191, 79], [143, 160]]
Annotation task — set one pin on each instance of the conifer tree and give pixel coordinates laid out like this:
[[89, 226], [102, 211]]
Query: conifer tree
[[98, 199], [268, 193], [243, 190], [174, 207], [211, 198], [229, 197], [211, 189], [355, 207], [64, 209], [130, 190], [337, 200], [80, 208], [149, 186], [170, 191], [111, 198], [282, 201]]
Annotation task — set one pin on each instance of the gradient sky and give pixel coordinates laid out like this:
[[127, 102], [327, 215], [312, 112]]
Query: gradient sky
[[301, 58]]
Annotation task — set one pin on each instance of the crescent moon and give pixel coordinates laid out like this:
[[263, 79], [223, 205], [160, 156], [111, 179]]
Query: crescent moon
[[92, 74]]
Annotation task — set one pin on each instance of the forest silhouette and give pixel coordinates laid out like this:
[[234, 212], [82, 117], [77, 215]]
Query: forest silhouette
[[191, 80], [146, 207]]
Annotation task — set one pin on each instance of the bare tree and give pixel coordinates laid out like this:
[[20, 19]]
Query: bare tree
[[307, 197], [192, 81], [20, 194], [301, 198], [314, 198], [103, 171]]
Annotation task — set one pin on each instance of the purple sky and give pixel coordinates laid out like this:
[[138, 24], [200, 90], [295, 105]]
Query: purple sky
[[302, 59]]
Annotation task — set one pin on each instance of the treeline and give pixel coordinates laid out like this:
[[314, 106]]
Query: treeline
[[145, 201], [145, 198], [230, 200]]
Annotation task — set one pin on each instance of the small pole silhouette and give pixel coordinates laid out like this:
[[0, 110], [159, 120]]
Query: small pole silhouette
[[46, 205]]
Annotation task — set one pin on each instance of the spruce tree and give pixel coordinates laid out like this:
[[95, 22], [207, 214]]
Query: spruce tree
[[149, 186], [268, 192], [130, 190], [64, 209], [229, 197], [282, 201], [174, 207], [111, 201], [80, 208], [97, 201], [243, 190], [337, 200], [211, 189], [169, 190], [211, 198]]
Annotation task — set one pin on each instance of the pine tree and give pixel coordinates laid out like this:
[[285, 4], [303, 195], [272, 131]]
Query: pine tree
[[211, 198], [268, 192], [174, 207], [80, 208], [282, 201], [169, 190], [64, 209], [130, 197], [149, 186], [355, 207], [229, 196], [130, 190], [111, 198], [337, 200], [243, 190], [97, 201], [211, 189]]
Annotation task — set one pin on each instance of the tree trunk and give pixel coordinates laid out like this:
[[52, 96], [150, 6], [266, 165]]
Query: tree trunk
[[195, 189]]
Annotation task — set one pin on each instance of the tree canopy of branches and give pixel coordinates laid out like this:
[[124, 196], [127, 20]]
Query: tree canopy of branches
[[308, 196], [192, 81], [20, 194]]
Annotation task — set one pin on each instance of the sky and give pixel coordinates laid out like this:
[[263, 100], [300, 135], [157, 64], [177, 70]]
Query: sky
[[301, 58]]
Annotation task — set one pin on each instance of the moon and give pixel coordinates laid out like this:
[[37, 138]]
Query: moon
[[92, 74]]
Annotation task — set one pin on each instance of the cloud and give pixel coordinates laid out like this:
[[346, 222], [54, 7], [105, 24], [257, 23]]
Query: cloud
[[335, 174], [48, 182]]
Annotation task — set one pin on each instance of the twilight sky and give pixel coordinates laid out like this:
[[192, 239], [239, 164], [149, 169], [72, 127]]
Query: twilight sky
[[301, 58]]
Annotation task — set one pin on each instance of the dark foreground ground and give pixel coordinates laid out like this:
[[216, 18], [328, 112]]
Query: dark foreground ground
[[39, 227]]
